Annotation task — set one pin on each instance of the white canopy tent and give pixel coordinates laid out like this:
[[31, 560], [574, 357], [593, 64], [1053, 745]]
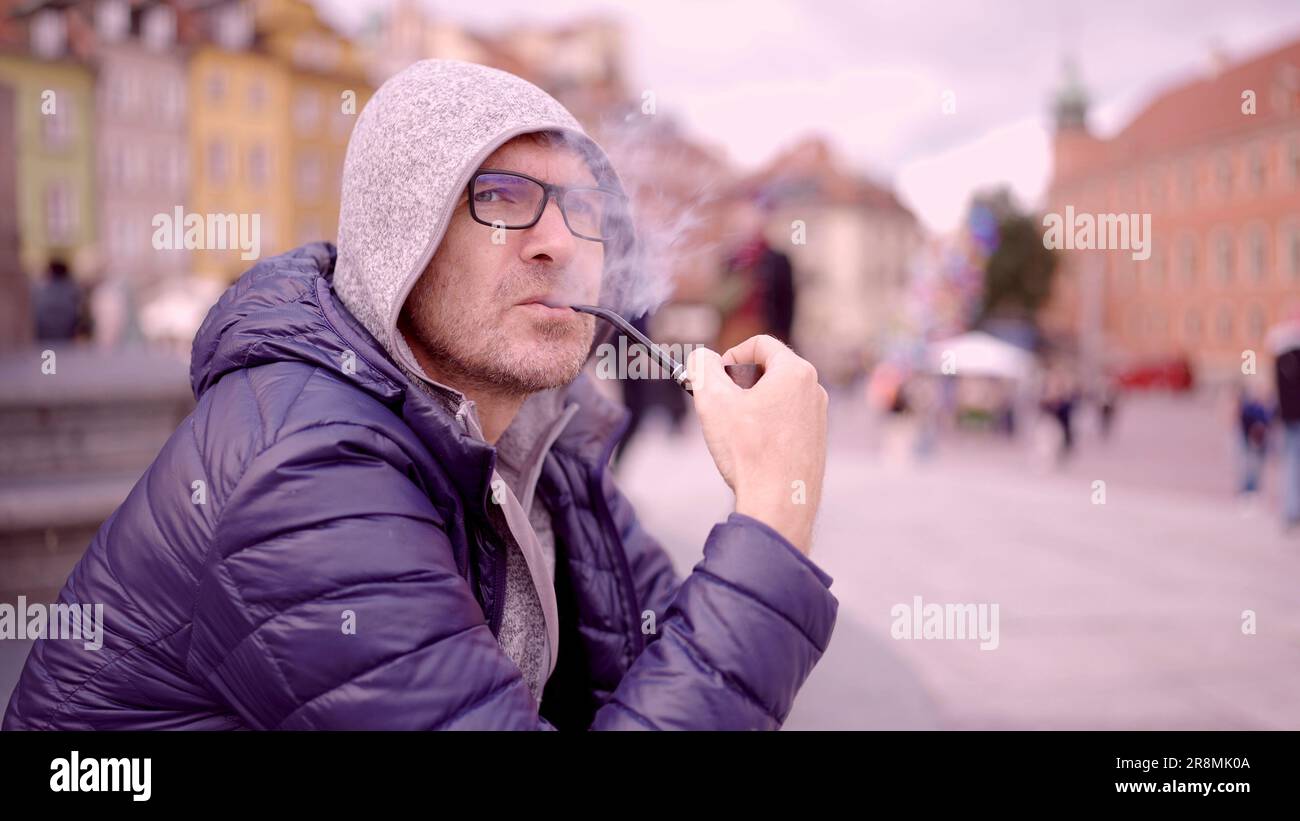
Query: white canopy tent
[[977, 353]]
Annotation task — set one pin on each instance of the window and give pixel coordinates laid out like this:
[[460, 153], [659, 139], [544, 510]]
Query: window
[[1257, 252], [1154, 269], [256, 96], [60, 213], [1187, 258], [1135, 324], [216, 86], [136, 160], [1225, 324], [1258, 169], [1156, 325], [1256, 323], [259, 166], [306, 111], [1125, 193], [174, 171], [1122, 269], [1293, 160], [218, 162], [120, 239], [1192, 325], [1155, 189], [1223, 256], [234, 28], [316, 54], [159, 28], [340, 122], [1285, 86], [1187, 184], [309, 174], [49, 33], [112, 92], [112, 20], [172, 101], [57, 126], [1223, 173], [1289, 250], [115, 168]]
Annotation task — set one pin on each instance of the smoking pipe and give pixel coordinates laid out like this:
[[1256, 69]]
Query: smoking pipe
[[743, 375]]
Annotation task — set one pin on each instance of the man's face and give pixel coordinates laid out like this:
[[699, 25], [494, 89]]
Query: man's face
[[475, 310]]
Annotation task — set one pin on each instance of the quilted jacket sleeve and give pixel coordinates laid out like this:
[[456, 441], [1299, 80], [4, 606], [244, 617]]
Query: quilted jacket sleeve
[[331, 599], [735, 640]]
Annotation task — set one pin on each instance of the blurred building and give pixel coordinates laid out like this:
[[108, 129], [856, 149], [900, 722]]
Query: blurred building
[[580, 63], [1221, 181], [406, 33], [49, 114], [141, 139], [852, 244], [239, 136], [274, 94], [328, 87]]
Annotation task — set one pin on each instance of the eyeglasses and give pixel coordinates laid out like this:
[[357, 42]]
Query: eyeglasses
[[507, 199]]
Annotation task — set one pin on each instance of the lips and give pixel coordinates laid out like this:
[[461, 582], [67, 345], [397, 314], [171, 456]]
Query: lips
[[541, 308], [544, 300]]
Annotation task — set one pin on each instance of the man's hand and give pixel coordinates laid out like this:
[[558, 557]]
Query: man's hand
[[768, 442]]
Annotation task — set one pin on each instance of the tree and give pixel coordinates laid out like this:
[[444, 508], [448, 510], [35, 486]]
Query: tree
[[1019, 270]]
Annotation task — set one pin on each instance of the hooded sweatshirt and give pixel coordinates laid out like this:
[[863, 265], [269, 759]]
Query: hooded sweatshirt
[[411, 154], [312, 547]]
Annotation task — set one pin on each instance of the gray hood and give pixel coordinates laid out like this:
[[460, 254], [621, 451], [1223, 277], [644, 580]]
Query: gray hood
[[411, 154]]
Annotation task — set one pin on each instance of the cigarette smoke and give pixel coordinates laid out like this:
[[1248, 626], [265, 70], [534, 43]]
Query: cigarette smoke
[[663, 232]]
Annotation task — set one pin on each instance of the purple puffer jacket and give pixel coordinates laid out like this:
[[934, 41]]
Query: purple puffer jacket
[[325, 492]]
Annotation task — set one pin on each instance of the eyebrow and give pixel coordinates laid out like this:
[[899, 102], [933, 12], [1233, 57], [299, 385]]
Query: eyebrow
[[595, 181]]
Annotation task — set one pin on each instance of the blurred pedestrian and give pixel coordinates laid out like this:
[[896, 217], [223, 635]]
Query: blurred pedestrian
[[776, 282], [738, 296], [1253, 419], [642, 396], [1284, 339], [1059, 400], [758, 293], [1107, 399], [57, 304]]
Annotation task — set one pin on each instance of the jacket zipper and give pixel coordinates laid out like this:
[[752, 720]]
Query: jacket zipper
[[616, 541], [498, 591], [499, 565]]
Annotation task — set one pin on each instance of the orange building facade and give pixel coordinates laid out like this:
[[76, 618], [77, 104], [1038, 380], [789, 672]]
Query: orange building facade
[[1216, 164]]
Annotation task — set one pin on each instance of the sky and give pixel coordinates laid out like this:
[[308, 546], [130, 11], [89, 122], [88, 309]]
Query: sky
[[754, 76]]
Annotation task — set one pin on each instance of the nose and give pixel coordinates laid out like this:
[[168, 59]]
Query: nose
[[550, 239]]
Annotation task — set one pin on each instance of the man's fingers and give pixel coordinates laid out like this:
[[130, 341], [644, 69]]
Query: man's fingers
[[761, 350], [704, 367]]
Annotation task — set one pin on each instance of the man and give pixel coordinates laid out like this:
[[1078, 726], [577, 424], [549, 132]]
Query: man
[[57, 305], [391, 507], [1284, 339]]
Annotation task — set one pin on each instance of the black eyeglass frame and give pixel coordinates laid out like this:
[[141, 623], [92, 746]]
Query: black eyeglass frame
[[549, 190]]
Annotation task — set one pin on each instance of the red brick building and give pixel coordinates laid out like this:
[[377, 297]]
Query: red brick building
[[1222, 186]]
